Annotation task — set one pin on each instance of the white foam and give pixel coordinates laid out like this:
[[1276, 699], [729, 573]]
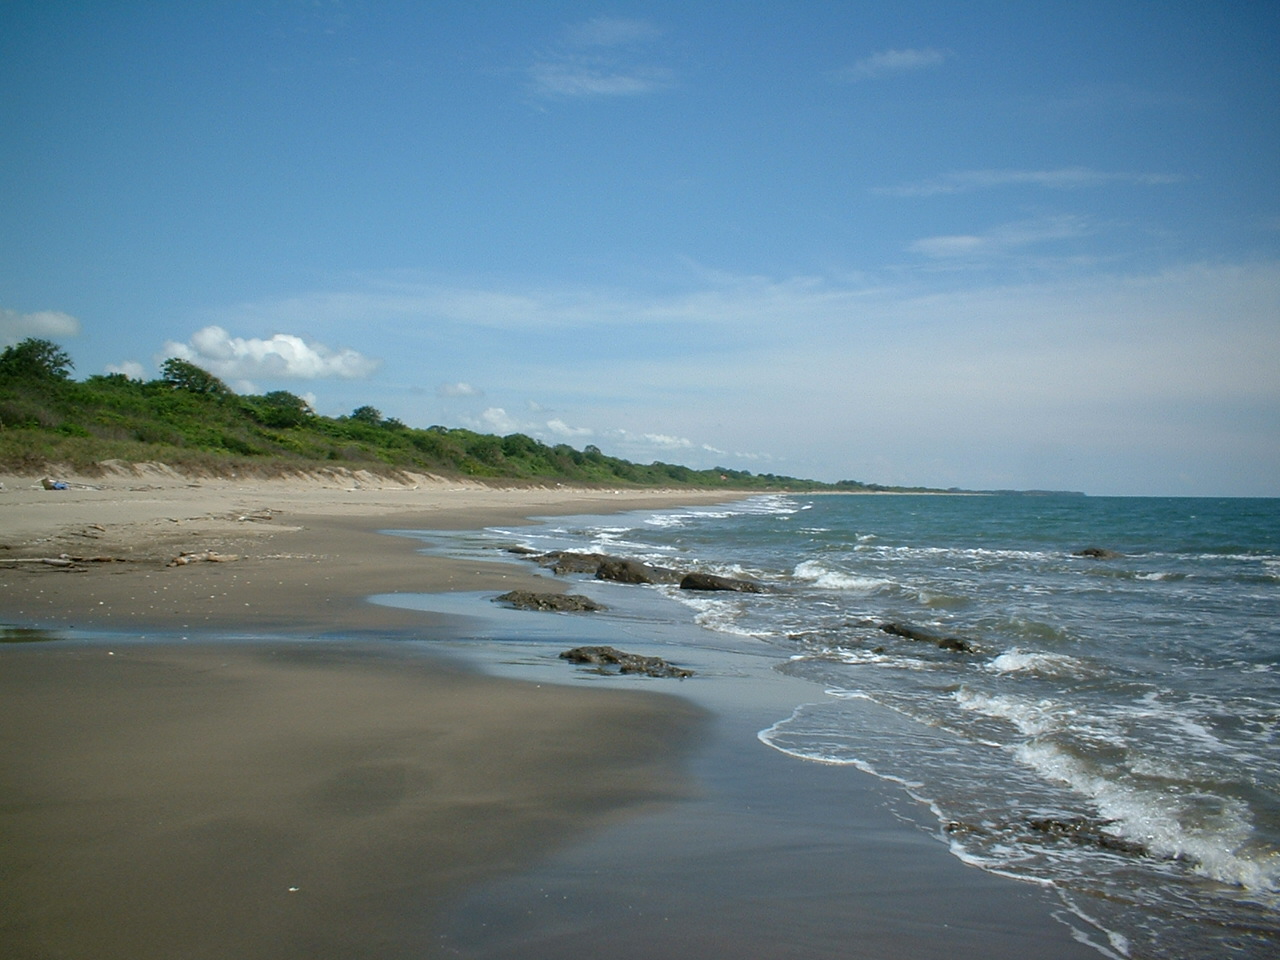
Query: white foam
[[1032, 718], [1048, 664], [1212, 843], [820, 576]]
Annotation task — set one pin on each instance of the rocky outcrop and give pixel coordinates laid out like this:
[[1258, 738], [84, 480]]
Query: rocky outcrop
[[634, 571], [561, 562], [563, 602], [910, 632], [709, 581], [609, 660]]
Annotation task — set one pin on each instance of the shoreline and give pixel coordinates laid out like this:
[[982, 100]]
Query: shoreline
[[280, 556], [338, 750]]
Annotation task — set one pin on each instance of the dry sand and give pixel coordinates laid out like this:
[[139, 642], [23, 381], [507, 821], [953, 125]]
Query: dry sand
[[294, 555]]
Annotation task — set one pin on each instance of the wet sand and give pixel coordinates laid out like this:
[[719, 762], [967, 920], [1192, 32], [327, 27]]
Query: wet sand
[[292, 801]]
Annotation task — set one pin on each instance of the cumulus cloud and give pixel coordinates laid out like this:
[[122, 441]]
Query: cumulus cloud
[[43, 324], [887, 62], [282, 357], [562, 429], [498, 420], [602, 57], [458, 390], [1062, 178], [130, 368]]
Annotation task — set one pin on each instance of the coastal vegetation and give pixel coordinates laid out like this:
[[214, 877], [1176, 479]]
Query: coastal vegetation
[[192, 421], [188, 418]]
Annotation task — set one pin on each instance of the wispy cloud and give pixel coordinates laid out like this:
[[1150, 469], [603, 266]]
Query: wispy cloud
[[458, 390], [1062, 178], [602, 57], [890, 62], [1002, 239], [43, 324], [610, 32], [282, 356]]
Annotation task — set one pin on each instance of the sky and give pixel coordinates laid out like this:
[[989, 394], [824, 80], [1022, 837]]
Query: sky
[[979, 245]]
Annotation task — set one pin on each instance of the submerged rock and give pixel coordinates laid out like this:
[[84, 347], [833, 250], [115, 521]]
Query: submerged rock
[[1086, 832], [709, 581], [910, 632], [607, 660], [528, 600], [1097, 553]]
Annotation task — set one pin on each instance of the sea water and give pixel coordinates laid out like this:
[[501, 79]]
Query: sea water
[[1111, 732]]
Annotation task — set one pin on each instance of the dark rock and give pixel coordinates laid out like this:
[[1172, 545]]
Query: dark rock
[[609, 660], [528, 600], [910, 632], [566, 561], [709, 581], [1097, 553], [634, 571], [522, 550], [1087, 833]]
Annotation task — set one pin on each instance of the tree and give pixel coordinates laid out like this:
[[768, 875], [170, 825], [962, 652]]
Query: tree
[[183, 375], [280, 408], [36, 359], [367, 414]]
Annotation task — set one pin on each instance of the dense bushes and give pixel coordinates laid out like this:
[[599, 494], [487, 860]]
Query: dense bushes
[[189, 416]]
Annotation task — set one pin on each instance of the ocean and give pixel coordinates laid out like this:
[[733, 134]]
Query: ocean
[[1105, 726]]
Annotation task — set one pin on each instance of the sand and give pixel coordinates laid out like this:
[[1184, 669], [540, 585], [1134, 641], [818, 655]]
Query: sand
[[294, 555], [169, 788]]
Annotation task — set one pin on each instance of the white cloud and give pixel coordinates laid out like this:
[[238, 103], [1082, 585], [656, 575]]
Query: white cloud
[[130, 368], [43, 325], [667, 442], [602, 57], [887, 62], [1063, 178], [498, 420], [1002, 239], [585, 79], [283, 356], [562, 429], [458, 390]]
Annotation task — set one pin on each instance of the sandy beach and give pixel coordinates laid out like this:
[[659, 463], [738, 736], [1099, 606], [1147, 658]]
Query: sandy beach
[[336, 792]]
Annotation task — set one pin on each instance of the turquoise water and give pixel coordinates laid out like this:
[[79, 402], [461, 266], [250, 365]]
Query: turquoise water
[[1112, 733]]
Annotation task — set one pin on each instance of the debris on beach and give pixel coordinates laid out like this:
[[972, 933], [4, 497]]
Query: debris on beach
[[202, 556], [563, 602], [610, 660]]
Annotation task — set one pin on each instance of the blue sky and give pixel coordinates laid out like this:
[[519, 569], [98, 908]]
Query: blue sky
[[956, 244]]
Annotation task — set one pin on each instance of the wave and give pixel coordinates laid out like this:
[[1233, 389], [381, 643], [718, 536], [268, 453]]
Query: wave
[[821, 576], [1045, 664]]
